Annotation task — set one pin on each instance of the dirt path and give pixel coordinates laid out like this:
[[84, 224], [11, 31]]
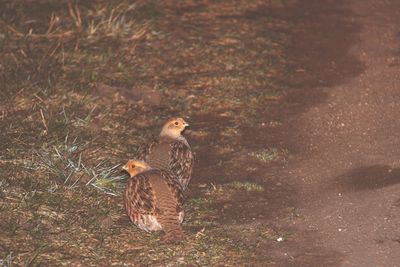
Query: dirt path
[[347, 169], [337, 196]]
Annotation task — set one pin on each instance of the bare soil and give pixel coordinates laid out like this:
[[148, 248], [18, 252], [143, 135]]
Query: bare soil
[[340, 121], [345, 169]]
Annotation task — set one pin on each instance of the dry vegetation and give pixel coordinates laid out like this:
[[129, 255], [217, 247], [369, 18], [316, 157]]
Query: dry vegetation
[[85, 85]]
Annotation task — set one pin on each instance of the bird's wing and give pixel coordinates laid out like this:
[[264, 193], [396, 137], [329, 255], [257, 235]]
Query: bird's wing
[[174, 156], [139, 196], [176, 188], [181, 162]]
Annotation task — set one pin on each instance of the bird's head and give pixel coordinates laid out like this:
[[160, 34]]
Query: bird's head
[[174, 127], [134, 167]]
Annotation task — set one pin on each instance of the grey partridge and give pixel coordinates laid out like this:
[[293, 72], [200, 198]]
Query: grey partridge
[[172, 152], [154, 200]]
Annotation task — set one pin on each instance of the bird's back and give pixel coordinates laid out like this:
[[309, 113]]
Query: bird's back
[[154, 200], [159, 156], [173, 155]]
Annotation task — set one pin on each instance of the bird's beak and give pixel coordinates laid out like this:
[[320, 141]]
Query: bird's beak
[[185, 124], [125, 167]]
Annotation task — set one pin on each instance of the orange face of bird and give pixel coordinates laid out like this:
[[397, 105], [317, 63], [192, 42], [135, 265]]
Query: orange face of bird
[[134, 167], [174, 127]]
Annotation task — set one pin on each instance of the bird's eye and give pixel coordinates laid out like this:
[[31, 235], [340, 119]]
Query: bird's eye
[[133, 166], [176, 123]]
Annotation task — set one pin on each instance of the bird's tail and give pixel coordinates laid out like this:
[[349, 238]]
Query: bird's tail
[[167, 205]]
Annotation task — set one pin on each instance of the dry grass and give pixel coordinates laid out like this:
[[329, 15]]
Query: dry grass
[[90, 24], [63, 137], [66, 163]]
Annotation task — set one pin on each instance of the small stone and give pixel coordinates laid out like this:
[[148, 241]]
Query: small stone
[[181, 93]]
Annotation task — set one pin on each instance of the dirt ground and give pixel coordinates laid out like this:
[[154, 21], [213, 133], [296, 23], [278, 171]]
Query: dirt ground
[[293, 107], [346, 171]]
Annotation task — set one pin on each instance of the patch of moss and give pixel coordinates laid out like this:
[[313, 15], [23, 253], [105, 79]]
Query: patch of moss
[[247, 186], [271, 155]]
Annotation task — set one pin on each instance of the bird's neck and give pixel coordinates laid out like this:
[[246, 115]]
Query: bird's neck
[[139, 170], [179, 138], [170, 135]]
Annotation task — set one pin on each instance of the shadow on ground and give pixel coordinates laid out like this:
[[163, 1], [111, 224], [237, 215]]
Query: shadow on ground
[[319, 56], [369, 178]]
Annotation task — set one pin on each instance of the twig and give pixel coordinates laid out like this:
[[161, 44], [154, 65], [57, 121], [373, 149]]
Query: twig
[[75, 14], [35, 255], [40, 99], [103, 190], [47, 35], [44, 122], [76, 181], [66, 180], [52, 22], [12, 29]]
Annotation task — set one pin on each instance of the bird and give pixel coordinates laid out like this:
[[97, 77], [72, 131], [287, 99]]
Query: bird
[[154, 200], [172, 152]]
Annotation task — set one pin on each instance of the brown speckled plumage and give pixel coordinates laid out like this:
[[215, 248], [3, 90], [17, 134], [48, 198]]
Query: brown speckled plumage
[[154, 201], [172, 152]]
